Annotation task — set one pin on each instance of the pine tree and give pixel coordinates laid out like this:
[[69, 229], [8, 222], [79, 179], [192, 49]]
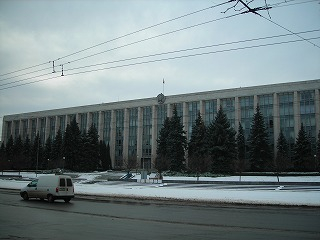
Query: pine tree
[[18, 159], [72, 145], [27, 152], [36, 153], [222, 145], [303, 158], [109, 162], [260, 154], [57, 153], [197, 147], [162, 162], [10, 152], [3, 159], [103, 155], [282, 158], [93, 148], [47, 154], [241, 149], [318, 153], [176, 143]]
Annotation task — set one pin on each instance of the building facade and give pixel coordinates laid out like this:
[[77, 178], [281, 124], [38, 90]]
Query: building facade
[[131, 127]]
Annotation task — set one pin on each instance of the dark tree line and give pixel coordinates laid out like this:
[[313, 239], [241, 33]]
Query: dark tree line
[[70, 150], [218, 148]]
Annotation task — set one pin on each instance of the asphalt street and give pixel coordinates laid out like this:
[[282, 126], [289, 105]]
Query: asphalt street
[[132, 219]]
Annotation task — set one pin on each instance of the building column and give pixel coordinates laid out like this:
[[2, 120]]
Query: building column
[[112, 142], [89, 121], [276, 121], [100, 125], [218, 104], [255, 102], [154, 136], [202, 109], [125, 135], [139, 135], [317, 110], [296, 113]]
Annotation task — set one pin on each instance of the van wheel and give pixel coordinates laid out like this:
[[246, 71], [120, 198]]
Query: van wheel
[[50, 199], [67, 200], [25, 196]]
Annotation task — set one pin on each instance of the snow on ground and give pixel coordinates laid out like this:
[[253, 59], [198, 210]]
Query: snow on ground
[[85, 184]]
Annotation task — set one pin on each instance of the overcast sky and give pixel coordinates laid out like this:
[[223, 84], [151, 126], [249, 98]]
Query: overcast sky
[[39, 32]]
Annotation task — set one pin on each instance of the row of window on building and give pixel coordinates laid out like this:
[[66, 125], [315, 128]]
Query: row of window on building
[[237, 110]]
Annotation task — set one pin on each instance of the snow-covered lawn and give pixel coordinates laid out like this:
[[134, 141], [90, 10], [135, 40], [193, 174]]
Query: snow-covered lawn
[[87, 184]]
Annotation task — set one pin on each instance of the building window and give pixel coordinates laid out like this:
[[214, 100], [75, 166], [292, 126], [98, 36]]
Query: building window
[[52, 128], [210, 111], [247, 112], [286, 117], [119, 137], [227, 105], [107, 126], [133, 128], [307, 113], [193, 110], [266, 108], [161, 116], [95, 119], [147, 132], [83, 122]]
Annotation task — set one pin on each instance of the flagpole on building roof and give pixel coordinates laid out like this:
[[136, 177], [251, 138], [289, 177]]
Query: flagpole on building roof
[[163, 86]]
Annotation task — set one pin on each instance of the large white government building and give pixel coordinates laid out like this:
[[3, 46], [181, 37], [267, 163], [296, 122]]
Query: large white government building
[[131, 127]]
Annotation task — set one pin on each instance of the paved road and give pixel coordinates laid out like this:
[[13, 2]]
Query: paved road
[[122, 219]]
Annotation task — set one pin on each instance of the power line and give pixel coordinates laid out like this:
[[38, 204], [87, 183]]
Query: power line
[[122, 46], [163, 59], [153, 37], [170, 52], [290, 31], [191, 49], [125, 35]]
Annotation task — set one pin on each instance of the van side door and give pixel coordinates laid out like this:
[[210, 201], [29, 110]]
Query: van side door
[[32, 188]]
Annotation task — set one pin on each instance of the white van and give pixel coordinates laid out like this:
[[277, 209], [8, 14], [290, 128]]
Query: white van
[[50, 187]]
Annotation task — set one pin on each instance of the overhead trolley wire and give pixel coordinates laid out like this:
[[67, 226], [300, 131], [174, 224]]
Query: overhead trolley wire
[[163, 59], [117, 38]]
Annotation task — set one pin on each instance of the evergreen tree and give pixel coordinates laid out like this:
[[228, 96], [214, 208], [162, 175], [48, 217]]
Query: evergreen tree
[[27, 152], [241, 149], [57, 153], [197, 147], [93, 148], [36, 153], [18, 158], [303, 158], [72, 145], [109, 162], [222, 144], [47, 154], [10, 152], [103, 155], [260, 154], [176, 143], [162, 161], [282, 158], [3, 159], [318, 153]]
